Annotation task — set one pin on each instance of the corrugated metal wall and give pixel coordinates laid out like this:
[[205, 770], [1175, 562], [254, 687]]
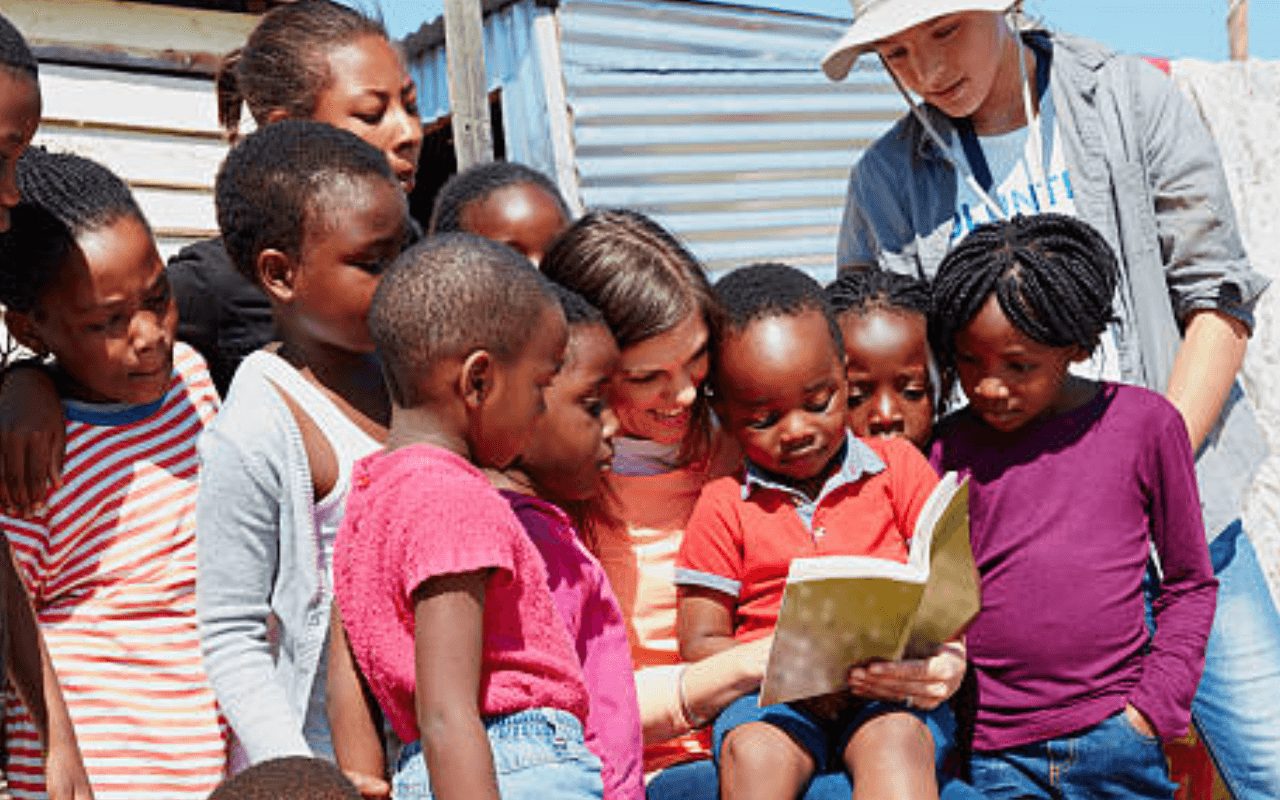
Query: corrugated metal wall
[[718, 122], [158, 132], [513, 65]]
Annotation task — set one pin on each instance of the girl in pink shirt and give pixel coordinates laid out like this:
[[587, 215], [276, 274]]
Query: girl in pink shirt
[[571, 449]]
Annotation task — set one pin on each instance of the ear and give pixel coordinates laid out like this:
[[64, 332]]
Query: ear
[[276, 115], [277, 274], [1078, 354], [477, 379], [22, 326]]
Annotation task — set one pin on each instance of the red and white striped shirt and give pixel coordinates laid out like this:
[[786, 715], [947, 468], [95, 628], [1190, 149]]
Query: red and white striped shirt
[[111, 567]]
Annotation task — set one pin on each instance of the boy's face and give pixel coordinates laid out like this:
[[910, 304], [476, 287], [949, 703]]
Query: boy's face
[[19, 116], [109, 319], [887, 357], [523, 217], [344, 255], [503, 425], [572, 443], [781, 391]]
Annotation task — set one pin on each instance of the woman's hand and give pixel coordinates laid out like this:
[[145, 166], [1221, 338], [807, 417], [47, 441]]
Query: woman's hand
[[32, 439], [925, 683]]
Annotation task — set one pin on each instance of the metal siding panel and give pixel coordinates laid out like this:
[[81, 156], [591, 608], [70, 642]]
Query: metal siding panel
[[159, 133], [718, 122]]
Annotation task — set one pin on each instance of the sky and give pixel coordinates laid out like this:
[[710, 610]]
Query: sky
[[1164, 28]]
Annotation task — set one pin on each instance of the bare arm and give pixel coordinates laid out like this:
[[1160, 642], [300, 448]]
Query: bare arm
[[32, 438], [704, 622], [448, 635], [1206, 365], [30, 670], [357, 744]]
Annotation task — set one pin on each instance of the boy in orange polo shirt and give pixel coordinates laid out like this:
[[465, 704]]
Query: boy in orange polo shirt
[[807, 488]]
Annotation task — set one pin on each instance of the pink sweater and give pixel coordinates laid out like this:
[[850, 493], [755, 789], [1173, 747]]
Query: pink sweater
[[594, 618], [421, 512]]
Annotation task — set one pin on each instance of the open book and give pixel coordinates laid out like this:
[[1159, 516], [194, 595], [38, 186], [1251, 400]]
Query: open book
[[839, 611]]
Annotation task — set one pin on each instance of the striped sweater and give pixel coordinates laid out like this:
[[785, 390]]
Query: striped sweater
[[110, 565]]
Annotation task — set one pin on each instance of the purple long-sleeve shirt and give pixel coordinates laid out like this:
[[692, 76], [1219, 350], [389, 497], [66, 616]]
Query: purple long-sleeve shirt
[[1062, 512]]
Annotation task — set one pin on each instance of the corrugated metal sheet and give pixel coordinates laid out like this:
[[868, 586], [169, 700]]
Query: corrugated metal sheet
[[158, 132], [513, 65], [718, 122]]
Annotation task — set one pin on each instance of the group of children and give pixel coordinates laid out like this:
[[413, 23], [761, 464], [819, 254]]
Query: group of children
[[385, 522]]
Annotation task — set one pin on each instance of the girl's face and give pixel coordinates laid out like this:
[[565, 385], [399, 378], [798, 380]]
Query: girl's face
[[371, 95], [887, 356], [1010, 379], [523, 217], [952, 61], [344, 253], [658, 381], [109, 318], [572, 443], [19, 116]]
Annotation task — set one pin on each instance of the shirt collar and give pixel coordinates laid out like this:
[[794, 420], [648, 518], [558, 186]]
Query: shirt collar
[[856, 461]]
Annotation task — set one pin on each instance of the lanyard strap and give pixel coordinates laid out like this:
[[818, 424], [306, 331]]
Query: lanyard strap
[[969, 140]]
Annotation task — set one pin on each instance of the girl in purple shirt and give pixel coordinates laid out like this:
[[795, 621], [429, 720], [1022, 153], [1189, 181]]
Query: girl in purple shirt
[[1073, 483]]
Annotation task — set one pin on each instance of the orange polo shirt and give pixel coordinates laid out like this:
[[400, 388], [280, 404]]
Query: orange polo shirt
[[746, 528]]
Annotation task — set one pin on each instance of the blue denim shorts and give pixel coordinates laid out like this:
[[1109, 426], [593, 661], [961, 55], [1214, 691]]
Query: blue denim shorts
[[825, 740], [1111, 760], [537, 754]]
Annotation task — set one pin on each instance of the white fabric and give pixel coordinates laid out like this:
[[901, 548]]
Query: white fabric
[[1238, 101], [875, 19]]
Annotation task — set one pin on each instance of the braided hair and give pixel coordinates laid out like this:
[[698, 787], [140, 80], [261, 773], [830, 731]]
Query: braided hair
[[15, 54], [861, 291], [63, 196], [283, 66], [476, 184], [1053, 276]]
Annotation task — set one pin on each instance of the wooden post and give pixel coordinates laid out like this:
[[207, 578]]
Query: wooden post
[[1238, 29], [468, 86]]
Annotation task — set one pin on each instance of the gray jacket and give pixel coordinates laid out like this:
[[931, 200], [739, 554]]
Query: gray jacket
[[262, 592], [1146, 174]]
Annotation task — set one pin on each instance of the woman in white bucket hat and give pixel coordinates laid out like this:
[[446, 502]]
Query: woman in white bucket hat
[[1020, 122]]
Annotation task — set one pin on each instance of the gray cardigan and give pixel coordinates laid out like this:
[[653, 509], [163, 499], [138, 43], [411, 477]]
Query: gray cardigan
[[1145, 173], [258, 558]]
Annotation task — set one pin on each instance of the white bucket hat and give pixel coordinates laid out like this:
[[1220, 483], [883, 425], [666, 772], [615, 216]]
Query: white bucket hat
[[874, 20]]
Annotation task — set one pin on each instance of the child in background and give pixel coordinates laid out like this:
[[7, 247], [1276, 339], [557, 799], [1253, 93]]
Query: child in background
[[288, 778], [314, 215], [564, 466], [1072, 483], [443, 596], [807, 488], [24, 658], [893, 382], [506, 202], [110, 563]]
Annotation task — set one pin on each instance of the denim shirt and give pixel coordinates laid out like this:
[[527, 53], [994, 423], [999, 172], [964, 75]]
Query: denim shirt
[[1146, 174]]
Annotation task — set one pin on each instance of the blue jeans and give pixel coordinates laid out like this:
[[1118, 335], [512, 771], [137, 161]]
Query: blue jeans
[[1110, 761], [537, 754], [1237, 707]]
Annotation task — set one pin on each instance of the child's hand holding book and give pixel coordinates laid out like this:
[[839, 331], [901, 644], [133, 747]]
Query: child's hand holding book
[[921, 683]]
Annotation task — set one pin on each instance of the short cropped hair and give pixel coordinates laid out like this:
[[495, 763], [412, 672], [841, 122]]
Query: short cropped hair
[[767, 290], [15, 54], [577, 311], [475, 184], [281, 179], [447, 296], [63, 196], [292, 777]]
